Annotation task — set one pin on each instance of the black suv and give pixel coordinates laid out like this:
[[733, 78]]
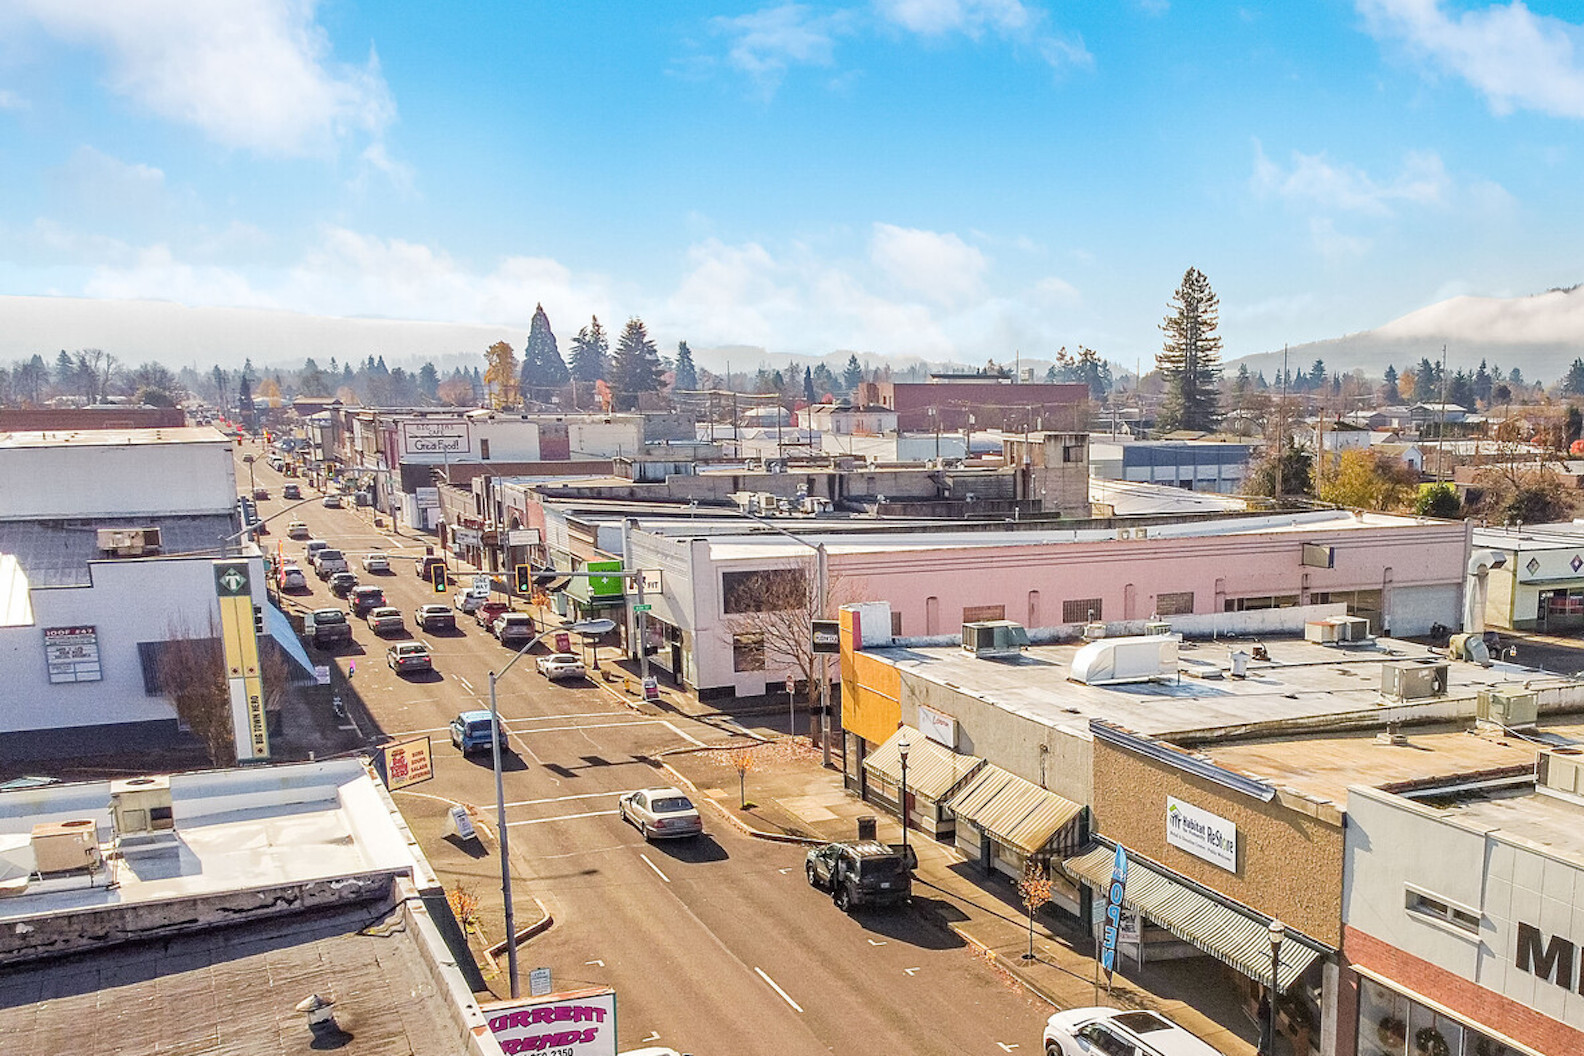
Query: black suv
[[867, 873]]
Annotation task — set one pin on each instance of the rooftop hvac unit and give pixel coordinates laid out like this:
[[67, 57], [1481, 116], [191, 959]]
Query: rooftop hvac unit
[[129, 542], [1414, 679], [66, 846], [1110, 661], [1335, 629], [1561, 770], [1511, 707], [140, 811], [1156, 626], [989, 638], [1093, 631]]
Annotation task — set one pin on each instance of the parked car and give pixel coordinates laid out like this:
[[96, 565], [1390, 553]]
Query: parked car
[[342, 584], [661, 813], [297, 530], [327, 628], [513, 628], [470, 732], [332, 502], [378, 561], [559, 666], [469, 600], [328, 562], [291, 491], [405, 657], [487, 613], [434, 617], [864, 873], [425, 564], [386, 619], [292, 578], [365, 598], [1104, 1031]]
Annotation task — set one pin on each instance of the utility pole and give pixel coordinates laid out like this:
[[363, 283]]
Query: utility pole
[[1441, 429], [1281, 413]]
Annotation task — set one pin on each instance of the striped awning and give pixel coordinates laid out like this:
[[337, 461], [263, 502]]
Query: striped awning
[[1237, 937], [934, 770], [1013, 811]]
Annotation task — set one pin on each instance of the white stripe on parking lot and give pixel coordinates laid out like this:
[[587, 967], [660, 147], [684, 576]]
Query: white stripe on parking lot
[[563, 799], [784, 995], [567, 817], [655, 867]]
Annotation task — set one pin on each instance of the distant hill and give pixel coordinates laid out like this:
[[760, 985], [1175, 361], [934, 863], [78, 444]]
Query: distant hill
[[1540, 334]]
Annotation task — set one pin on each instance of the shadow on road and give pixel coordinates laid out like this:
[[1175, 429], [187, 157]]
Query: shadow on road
[[511, 762], [696, 851], [471, 848], [913, 925], [430, 675]]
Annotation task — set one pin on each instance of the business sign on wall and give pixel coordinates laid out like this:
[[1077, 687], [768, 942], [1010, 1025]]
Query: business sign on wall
[[937, 726], [579, 1023], [407, 763], [435, 438], [1201, 833], [72, 654]]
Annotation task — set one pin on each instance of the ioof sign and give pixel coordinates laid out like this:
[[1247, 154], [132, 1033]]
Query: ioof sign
[[72, 654], [1201, 833], [579, 1023]]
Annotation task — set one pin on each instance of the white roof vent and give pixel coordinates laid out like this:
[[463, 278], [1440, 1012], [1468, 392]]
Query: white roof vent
[[1111, 661]]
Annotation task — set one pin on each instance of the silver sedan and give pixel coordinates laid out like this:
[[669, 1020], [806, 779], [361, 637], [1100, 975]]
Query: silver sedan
[[661, 813]]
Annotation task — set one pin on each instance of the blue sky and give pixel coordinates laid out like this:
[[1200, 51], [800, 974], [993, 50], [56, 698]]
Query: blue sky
[[948, 178]]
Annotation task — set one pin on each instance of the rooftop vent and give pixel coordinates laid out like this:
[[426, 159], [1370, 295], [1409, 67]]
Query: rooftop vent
[[988, 638], [129, 542], [1561, 770], [1334, 630], [1414, 679], [1510, 707], [1111, 661]]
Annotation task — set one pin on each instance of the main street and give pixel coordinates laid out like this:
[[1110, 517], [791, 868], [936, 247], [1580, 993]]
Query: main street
[[715, 945]]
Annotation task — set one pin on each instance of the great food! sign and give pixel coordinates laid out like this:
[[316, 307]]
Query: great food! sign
[[1201, 833], [582, 1023]]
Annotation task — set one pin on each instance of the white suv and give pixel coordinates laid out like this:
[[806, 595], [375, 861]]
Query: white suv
[[1114, 1032]]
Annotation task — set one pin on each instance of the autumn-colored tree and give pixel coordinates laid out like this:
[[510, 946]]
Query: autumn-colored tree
[[455, 392], [1035, 889], [742, 760], [500, 375], [1366, 480]]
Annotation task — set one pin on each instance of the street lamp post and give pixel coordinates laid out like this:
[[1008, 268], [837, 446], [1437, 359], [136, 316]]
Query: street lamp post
[[251, 486], [1277, 933], [586, 627], [902, 750]]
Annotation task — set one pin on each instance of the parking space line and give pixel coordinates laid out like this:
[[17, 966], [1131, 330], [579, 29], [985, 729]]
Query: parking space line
[[773, 985], [661, 875], [567, 817], [563, 799], [465, 682]]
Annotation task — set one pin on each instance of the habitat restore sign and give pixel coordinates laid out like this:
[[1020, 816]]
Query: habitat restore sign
[[1201, 833]]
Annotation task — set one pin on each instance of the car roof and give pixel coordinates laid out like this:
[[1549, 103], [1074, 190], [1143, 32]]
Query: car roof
[[385, 610], [410, 646], [442, 608], [663, 791], [1173, 1040], [473, 716], [564, 656]]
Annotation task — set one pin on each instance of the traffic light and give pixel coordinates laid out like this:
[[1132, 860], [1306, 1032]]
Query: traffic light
[[258, 619], [524, 579], [437, 575]]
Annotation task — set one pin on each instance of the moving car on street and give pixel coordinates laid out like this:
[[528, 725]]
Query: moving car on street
[[313, 547], [513, 628], [328, 562], [486, 614], [291, 491], [342, 584], [407, 657], [559, 666], [435, 617], [470, 732], [297, 530], [260, 494], [661, 813], [469, 600], [864, 873], [327, 628], [386, 619], [378, 561], [1106, 1031], [365, 598], [332, 502]]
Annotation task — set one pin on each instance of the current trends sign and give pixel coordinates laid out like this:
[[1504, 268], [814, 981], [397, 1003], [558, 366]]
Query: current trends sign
[[1113, 911], [577, 1023]]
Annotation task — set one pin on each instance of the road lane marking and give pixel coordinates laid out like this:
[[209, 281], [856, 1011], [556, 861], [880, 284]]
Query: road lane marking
[[596, 726], [1005, 1047], [574, 715], [600, 963], [877, 942], [580, 795], [567, 817], [466, 683], [655, 867], [685, 736], [654, 1035], [784, 995], [910, 971]]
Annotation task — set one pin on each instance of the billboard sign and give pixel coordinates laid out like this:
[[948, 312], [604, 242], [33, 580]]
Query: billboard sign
[[1201, 833], [239, 643], [72, 654], [434, 439], [407, 763], [577, 1023], [522, 537]]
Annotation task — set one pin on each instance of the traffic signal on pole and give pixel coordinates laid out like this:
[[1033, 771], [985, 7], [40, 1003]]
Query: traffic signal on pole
[[437, 574], [524, 579]]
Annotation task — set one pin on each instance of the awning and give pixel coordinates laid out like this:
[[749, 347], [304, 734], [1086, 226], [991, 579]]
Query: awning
[[280, 629], [934, 770], [1015, 812], [1233, 936]]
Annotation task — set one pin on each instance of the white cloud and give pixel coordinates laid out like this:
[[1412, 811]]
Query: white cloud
[[257, 76], [1057, 290], [941, 267], [155, 274], [765, 43], [1514, 57], [938, 17], [1315, 180], [1334, 244]]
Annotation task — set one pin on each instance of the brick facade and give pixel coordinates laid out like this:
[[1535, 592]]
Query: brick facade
[[1463, 996]]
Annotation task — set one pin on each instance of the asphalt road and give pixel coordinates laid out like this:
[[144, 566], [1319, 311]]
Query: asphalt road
[[716, 946]]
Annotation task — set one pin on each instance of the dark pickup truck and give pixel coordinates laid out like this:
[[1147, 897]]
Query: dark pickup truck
[[865, 873], [327, 628]]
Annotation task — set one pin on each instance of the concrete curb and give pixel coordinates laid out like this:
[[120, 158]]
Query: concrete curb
[[741, 826], [538, 927]]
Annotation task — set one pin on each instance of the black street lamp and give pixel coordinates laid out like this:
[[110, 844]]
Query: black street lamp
[[1277, 933], [902, 750]]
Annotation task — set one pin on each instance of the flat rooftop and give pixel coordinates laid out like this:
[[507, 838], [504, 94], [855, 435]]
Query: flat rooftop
[[53, 553], [191, 434], [1302, 683], [1534, 817]]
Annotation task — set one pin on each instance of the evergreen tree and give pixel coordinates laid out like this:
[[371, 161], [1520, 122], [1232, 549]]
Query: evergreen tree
[[311, 381], [686, 377], [1317, 374], [1516, 377], [1427, 382], [1189, 360], [853, 375], [1482, 384], [808, 385], [64, 368], [1461, 390], [428, 381], [543, 369], [1573, 381], [1241, 383], [824, 381], [590, 351], [635, 369], [1389, 392]]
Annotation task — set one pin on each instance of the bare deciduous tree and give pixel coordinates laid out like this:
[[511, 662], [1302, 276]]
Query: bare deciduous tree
[[192, 673], [779, 605]]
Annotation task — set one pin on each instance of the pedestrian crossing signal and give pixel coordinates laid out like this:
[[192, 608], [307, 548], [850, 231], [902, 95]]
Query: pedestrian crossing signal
[[437, 575], [524, 579]]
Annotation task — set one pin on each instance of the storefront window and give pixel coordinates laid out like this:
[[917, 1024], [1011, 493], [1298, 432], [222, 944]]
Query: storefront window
[[748, 652], [1383, 1021], [1393, 1025]]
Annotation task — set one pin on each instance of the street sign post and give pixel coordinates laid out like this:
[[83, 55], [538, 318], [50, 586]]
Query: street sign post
[[643, 608]]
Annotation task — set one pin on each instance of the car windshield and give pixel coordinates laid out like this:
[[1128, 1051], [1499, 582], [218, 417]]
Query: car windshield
[[330, 555], [880, 868], [1142, 1022], [329, 616], [479, 726], [671, 804]]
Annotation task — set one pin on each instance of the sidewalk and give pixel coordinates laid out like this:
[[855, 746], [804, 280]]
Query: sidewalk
[[792, 798]]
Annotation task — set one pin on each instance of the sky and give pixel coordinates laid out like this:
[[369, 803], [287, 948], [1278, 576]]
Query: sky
[[952, 179]]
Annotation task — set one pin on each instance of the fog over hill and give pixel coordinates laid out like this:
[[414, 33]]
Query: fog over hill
[[1540, 334]]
